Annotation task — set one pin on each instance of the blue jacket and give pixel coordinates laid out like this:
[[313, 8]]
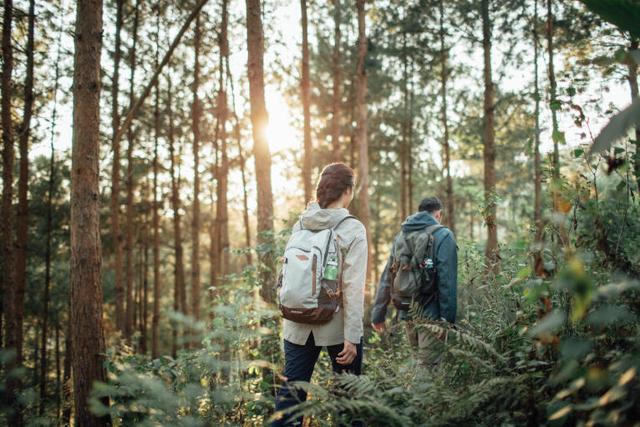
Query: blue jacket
[[446, 264]]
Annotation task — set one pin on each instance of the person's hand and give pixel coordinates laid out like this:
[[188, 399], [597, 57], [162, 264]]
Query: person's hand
[[348, 353], [378, 327]]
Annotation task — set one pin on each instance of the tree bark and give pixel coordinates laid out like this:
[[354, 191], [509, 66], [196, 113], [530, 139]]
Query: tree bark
[[305, 86], [261, 154], [337, 84], [633, 85], [128, 329], [489, 153], [538, 265], [444, 76], [67, 402], [361, 131], [87, 342], [115, 174], [10, 294], [155, 321], [403, 154], [58, 372], [195, 223]]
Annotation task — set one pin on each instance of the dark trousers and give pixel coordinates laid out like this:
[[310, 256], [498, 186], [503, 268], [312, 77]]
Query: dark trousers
[[298, 366]]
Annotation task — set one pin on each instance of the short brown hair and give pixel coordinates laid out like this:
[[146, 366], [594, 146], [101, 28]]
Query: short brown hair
[[334, 181]]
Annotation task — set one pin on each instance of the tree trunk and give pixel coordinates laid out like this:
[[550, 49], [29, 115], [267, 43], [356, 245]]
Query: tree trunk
[[87, 342], [538, 265], [23, 185], [128, 330], [195, 223], [554, 104], [403, 154], [67, 402], [444, 76], [361, 132], [305, 86], [179, 302], [633, 84], [115, 174], [144, 326], [337, 82], [155, 321], [261, 154], [10, 294], [489, 153], [222, 215], [58, 376]]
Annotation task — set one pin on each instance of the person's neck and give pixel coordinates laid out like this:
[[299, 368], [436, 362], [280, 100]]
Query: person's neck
[[338, 204]]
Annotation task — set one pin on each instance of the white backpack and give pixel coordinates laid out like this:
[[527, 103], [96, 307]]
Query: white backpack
[[310, 280]]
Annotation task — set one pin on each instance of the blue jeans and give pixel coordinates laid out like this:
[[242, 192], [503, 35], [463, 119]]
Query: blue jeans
[[298, 366]]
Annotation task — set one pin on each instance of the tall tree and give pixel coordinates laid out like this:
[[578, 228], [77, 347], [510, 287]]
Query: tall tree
[[632, 76], [336, 72], [10, 296], [155, 322], [537, 168], [196, 114], [554, 105], [305, 86], [87, 342], [129, 245], [489, 151], [115, 173], [222, 210], [444, 76], [261, 154], [361, 128]]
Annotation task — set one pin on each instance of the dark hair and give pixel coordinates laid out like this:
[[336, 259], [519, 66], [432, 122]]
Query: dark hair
[[334, 181], [430, 204]]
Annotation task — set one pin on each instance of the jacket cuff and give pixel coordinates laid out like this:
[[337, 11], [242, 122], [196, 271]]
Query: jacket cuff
[[352, 337]]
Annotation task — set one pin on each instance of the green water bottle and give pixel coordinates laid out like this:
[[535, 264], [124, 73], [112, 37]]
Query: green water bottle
[[331, 269]]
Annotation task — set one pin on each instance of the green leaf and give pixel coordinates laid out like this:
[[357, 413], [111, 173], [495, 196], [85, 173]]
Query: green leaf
[[558, 137], [578, 152], [609, 315], [550, 323], [625, 14], [617, 127], [555, 105]]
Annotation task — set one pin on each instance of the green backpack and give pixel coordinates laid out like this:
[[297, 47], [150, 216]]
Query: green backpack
[[413, 272]]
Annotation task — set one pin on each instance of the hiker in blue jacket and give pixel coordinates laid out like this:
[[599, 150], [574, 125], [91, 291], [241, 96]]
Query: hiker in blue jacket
[[442, 304]]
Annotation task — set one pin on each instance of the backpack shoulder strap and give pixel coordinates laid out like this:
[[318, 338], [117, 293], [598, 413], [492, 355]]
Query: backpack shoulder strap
[[433, 228], [343, 220]]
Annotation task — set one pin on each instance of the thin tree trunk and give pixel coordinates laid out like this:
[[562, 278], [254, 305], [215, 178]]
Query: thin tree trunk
[[23, 187], [305, 86], [179, 302], [361, 133], [67, 387], [10, 294], [261, 154], [538, 265], [403, 155], [87, 342], [242, 161], [144, 327], [115, 174], [195, 223], [553, 103], [337, 82], [489, 153], [58, 376], [155, 321], [222, 214], [128, 330], [444, 76], [633, 84]]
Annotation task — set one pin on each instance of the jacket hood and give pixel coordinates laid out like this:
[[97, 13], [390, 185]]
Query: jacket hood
[[316, 218], [418, 221]]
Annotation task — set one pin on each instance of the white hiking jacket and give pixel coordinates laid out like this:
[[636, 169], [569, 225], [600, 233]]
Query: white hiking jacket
[[347, 322]]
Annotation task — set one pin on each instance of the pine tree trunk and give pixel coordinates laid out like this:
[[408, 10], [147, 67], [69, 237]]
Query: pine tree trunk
[[128, 330], [538, 265], [58, 376], [361, 132], [222, 214], [23, 186], [553, 103], [337, 85], [179, 301], [444, 76], [10, 295], [155, 326], [305, 86], [144, 326], [489, 153], [633, 84], [403, 155], [261, 154], [195, 223], [67, 399], [87, 342], [115, 174]]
